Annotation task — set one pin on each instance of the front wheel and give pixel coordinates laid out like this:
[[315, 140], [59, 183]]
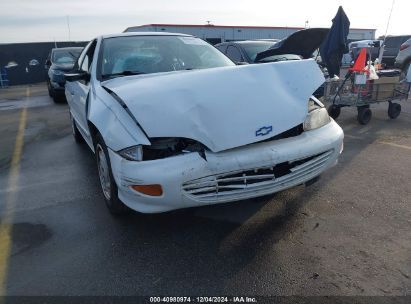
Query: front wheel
[[50, 89], [364, 115], [108, 185]]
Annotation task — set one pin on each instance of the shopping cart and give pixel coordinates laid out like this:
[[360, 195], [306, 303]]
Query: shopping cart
[[357, 91]]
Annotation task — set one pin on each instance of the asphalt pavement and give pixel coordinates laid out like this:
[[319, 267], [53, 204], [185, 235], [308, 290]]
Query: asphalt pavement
[[348, 234]]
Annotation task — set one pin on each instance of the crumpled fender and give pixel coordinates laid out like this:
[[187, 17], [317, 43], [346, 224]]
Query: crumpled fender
[[115, 125]]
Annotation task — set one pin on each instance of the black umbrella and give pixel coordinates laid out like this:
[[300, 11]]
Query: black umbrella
[[336, 43]]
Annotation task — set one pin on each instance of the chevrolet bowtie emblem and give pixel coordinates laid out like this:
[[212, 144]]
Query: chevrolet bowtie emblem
[[264, 131]]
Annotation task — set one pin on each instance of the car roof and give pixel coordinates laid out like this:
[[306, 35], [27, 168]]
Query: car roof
[[143, 34], [255, 41], [67, 48]]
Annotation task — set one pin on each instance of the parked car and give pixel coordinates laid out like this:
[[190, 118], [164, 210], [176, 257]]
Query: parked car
[[174, 123], [59, 61], [302, 44], [403, 59], [391, 48], [244, 51], [299, 45], [373, 47]]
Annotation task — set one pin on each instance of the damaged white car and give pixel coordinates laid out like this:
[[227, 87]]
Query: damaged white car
[[174, 123]]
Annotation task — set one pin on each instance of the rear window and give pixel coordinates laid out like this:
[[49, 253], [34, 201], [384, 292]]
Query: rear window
[[252, 49], [395, 42]]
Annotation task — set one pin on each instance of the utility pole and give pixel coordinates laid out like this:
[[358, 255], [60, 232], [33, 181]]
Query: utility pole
[[68, 27]]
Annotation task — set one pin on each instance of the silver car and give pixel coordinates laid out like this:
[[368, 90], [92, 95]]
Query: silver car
[[403, 59]]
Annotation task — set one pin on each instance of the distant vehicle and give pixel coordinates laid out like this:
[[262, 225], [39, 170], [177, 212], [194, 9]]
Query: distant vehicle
[[299, 45], [403, 59], [374, 47], [391, 48], [174, 123], [59, 61], [244, 51]]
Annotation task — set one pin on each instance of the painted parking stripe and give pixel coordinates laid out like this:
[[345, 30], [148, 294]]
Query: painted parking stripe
[[7, 217], [381, 142]]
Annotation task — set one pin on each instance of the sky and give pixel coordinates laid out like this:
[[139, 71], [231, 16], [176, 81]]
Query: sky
[[46, 20]]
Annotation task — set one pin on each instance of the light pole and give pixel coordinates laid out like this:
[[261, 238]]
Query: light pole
[[68, 27]]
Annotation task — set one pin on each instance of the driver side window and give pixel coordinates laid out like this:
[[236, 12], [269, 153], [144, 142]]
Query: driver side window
[[88, 57]]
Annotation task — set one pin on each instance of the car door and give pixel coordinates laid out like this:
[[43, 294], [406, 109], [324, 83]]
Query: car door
[[79, 90]]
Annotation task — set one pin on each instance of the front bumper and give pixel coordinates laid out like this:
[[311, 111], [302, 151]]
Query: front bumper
[[58, 87], [189, 180]]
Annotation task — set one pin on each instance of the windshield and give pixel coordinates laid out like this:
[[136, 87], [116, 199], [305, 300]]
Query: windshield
[[66, 56], [252, 49], [154, 54]]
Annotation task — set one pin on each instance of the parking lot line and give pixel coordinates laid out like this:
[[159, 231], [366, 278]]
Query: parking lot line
[[7, 218], [394, 145], [381, 142]]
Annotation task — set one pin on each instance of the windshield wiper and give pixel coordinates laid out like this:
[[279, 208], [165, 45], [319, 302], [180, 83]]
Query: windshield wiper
[[123, 73]]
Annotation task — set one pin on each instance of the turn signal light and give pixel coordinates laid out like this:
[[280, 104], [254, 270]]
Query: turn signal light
[[152, 190]]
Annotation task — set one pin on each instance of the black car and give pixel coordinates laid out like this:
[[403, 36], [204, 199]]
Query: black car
[[392, 46], [59, 61], [244, 51]]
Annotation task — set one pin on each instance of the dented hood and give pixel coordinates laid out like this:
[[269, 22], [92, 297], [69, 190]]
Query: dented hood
[[222, 108]]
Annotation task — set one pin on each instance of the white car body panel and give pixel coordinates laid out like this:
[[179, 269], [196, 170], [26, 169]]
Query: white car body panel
[[222, 107], [172, 173]]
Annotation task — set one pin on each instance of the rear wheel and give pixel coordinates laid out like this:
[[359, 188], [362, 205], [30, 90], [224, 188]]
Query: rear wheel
[[364, 115], [394, 110], [108, 185], [334, 111]]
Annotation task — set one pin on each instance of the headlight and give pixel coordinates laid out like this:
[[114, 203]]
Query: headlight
[[134, 153], [57, 72], [317, 115]]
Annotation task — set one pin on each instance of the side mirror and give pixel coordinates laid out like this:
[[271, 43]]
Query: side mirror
[[76, 76]]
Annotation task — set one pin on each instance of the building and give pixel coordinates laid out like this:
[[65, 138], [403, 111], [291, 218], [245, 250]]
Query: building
[[220, 33]]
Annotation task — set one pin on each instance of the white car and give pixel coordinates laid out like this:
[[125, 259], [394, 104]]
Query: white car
[[174, 123]]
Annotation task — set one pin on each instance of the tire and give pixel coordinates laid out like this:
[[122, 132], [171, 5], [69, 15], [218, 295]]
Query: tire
[[50, 89], [107, 183], [76, 133], [334, 111], [59, 98], [364, 115], [394, 110]]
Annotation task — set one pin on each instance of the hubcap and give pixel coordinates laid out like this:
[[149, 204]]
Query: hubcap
[[103, 172]]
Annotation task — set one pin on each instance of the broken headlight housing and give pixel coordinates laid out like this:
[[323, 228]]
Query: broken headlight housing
[[134, 153], [317, 115], [162, 147]]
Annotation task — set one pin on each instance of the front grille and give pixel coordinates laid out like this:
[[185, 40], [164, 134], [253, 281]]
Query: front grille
[[255, 182], [295, 131]]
